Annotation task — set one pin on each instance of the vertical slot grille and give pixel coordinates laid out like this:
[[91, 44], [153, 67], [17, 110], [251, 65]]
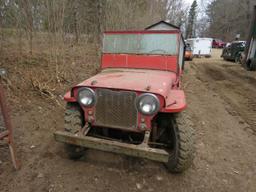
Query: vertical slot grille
[[116, 109]]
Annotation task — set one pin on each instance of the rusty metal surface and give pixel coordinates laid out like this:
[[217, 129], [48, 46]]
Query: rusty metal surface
[[141, 150], [160, 82], [5, 121], [3, 134], [4, 118], [116, 109], [6, 130], [2, 126]]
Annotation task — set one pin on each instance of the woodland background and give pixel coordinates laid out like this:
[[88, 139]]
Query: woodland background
[[71, 22], [58, 32]]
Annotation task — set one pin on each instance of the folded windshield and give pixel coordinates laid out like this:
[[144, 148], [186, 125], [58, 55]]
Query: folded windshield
[[149, 44]]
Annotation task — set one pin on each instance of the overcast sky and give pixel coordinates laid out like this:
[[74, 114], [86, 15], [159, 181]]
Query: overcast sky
[[200, 2], [202, 5], [189, 1]]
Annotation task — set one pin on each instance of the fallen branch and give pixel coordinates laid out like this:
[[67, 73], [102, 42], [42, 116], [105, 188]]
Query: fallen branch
[[44, 90]]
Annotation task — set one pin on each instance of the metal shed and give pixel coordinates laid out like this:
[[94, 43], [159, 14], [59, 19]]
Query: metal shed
[[162, 25]]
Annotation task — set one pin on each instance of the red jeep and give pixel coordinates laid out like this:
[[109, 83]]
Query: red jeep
[[133, 106]]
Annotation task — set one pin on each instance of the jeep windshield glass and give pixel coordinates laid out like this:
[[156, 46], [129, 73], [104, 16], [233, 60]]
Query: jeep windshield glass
[[148, 44]]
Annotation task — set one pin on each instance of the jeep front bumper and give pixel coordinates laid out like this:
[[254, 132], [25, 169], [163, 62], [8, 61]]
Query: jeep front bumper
[[141, 150]]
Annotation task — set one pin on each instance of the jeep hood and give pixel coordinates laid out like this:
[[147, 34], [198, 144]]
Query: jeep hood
[[153, 81]]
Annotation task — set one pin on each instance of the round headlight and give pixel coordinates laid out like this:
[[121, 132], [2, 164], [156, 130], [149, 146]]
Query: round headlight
[[86, 97], [148, 104]]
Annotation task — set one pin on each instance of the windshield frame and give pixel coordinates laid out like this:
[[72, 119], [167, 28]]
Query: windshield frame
[[172, 51]]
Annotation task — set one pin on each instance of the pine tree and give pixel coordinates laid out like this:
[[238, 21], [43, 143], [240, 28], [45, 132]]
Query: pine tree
[[190, 32]]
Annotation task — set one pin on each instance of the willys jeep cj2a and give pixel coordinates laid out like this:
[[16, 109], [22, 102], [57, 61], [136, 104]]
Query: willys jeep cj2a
[[133, 106]]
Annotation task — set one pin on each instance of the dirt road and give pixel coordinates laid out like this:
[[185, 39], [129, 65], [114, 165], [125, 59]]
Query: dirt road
[[222, 104]]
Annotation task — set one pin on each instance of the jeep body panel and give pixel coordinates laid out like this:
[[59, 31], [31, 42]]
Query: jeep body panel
[[134, 63], [130, 107], [162, 83], [157, 62], [153, 81], [160, 50]]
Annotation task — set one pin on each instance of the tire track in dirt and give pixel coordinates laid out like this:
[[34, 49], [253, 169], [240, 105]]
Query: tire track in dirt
[[222, 142], [234, 85]]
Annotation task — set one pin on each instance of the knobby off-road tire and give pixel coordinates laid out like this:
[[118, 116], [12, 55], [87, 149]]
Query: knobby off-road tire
[[73, 123], [183, 137]]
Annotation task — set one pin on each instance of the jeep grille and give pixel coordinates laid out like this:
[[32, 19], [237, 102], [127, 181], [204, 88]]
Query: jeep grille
[[116, 109]]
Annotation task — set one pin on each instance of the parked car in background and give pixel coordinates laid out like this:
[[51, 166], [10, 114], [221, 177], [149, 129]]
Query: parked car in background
[[233, 51], [217, 43], [188, 53], [201, 46]]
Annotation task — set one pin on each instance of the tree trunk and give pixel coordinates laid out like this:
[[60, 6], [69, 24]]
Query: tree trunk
[[76, 21]]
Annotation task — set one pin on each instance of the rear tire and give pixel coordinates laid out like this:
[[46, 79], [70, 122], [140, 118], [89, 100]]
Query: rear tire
[[73, 123]]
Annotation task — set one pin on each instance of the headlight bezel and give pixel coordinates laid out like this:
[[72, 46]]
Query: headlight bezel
[[94, 98], [155, 98]]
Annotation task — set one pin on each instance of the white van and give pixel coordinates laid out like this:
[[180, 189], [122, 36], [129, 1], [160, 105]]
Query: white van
[[201, 46]]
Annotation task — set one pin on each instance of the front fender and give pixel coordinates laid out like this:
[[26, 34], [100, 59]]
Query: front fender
[[175, 102], [69, 98]]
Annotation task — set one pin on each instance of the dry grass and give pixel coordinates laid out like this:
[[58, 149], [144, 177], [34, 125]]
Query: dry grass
[[54, 66]]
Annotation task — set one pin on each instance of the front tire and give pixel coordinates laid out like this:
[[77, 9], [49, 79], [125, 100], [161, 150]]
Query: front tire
[[73, 123], [178, 139], [182, 135]]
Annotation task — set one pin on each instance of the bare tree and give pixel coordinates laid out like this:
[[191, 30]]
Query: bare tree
[[228, 18], [26, 9]]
